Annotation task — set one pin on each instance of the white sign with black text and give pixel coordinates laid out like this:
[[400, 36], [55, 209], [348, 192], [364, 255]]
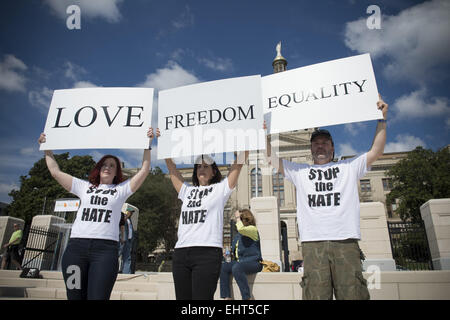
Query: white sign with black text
[[323, 94], [99, 118], [210, 118]]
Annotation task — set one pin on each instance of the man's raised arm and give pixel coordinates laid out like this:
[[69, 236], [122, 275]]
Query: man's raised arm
[[379, 140]]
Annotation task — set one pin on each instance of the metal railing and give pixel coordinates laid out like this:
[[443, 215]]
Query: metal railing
[[409, 245], [41, 249]]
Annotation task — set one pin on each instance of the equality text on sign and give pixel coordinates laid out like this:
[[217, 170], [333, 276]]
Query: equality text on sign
[[289, 100]]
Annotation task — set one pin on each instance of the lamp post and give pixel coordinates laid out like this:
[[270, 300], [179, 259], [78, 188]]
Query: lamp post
[[43, 207], [256, 174], [45, 200]]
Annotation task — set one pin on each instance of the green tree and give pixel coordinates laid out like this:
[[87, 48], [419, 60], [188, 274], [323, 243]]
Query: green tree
[[421, 176], [39, 186], [159, 209]]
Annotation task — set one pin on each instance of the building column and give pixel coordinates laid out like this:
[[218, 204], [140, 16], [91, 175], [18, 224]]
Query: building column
[[375, 242], [436, 217], [265, 210]]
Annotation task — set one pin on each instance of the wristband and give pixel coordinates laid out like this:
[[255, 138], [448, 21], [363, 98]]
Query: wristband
[[382, 120]]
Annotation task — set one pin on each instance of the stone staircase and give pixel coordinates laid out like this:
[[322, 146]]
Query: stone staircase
[[51, 286], [383, 285]]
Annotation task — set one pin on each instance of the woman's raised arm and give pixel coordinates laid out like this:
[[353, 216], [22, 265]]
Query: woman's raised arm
[[138, 179], [64, 179]]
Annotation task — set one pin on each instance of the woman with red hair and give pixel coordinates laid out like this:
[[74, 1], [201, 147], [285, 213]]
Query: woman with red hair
[[90, 261]]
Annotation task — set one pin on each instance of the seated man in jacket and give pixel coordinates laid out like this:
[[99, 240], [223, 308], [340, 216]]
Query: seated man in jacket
[[246, 253]]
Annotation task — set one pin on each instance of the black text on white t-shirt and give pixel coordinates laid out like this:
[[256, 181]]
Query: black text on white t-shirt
[[195, 201], [98, 213], [323, 182]]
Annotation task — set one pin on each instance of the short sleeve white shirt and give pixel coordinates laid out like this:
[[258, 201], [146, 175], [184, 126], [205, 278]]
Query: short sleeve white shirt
[[100, 209], [201, 219], [327, 198]]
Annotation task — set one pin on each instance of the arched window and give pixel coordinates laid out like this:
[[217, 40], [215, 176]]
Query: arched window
[[278, 187], [253, 182]]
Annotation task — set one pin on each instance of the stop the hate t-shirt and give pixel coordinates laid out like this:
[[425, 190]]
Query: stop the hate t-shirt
[[100, 209], [201, 219], [327, 198]]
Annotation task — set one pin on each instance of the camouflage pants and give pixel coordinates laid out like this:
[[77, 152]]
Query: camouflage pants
[[333, 267]]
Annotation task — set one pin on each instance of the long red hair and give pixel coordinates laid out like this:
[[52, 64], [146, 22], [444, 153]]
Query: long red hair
[[94, 176]]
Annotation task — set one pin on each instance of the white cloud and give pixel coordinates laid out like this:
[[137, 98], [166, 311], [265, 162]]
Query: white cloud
[[73, 71], [416, 105], [17, 154], [172, 76], [177, 54], [84, 84], [96, 155], [185, 19], [218, 64], [105, 9], [416, 41], [6, 188], [354, 128], [11, 74], [41, 99], [212, 62], [133, 158], [404, 142], [28, 151], [17, 158], [345, 149]]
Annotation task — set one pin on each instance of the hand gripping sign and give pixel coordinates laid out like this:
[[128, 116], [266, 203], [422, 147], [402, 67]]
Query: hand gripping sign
[[99, 118], [210, 118]]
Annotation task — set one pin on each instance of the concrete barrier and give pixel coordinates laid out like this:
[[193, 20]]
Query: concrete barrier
[[436, 217], [375, 242], [384, 285]]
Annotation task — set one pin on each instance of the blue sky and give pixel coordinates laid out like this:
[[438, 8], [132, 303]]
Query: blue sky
[[165, 44]]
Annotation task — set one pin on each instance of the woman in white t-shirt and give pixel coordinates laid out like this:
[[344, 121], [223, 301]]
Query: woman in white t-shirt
[[90, 261], [197, 257]]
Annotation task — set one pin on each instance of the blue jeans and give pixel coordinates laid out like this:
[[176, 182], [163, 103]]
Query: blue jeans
[[90, 268], [240, 270], [126, 256]]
